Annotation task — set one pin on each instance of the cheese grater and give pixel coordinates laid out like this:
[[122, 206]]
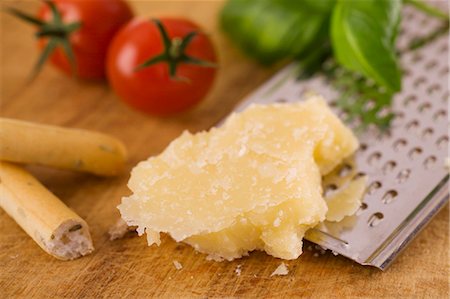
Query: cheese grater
[[408, 180]]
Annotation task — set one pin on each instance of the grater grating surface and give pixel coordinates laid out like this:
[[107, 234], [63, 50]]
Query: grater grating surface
[[408, 181]]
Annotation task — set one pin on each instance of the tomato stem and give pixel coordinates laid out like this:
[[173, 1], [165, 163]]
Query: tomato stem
[[174, 53], [174, 49], [57, 32]]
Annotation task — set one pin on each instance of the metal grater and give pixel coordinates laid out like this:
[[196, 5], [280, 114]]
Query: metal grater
[[408, 180]]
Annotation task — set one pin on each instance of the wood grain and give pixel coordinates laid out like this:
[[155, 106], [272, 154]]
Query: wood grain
[[128, 268]]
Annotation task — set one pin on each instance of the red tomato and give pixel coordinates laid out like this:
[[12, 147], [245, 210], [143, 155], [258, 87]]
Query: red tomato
[[100, 20], [152, 89]]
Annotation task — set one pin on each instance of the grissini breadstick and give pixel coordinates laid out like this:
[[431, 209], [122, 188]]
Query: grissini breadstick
[[54, 227], [73, 149]]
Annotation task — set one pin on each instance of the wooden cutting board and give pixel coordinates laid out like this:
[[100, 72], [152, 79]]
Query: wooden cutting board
[[127, 267]]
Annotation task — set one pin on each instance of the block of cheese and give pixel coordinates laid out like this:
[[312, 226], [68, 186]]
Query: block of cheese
[[252, 184]]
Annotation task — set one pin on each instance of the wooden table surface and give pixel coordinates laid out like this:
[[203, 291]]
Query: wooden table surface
[[127, 267]]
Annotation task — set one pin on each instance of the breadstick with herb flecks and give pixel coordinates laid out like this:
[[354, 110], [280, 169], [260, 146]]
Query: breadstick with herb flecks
[[58, 147], [52, 225]]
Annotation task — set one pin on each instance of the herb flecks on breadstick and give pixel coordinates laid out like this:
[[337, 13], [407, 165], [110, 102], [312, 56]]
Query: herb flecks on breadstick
[[73, 149], [54, 227]]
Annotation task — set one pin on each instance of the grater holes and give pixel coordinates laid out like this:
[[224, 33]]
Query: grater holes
[[442, 142], [409, 16], [431, 64], [333, 104], [403, 175], [444, 71], [429, 162], [329, 189], [373, 187], [363, 147], [399, 115], [414, 153], [409, 100], [389, 166], [358, 175], [374, 158], [419, 81], [412, 125], [398, 118], [345, 170], [400, 144], [417, 57], [424, 21], [406, 72], [362, 208], [424, 107], [440, 115], [389, 196], [427, 133], [375, 219], [433, 88]]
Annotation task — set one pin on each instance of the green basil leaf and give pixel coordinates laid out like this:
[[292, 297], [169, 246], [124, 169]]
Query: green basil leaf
[[272, 30], [363, 34]]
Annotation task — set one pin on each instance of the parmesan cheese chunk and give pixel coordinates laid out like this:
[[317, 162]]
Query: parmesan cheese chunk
[[252, 184]]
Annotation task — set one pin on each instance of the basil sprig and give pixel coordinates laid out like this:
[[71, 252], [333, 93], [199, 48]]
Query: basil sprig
[[358, 36], [363, 37]]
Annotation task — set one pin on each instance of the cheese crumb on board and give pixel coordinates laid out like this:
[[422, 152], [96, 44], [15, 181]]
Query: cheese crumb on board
[[282, 269], [252, 184], [177, 265], [238, 270]]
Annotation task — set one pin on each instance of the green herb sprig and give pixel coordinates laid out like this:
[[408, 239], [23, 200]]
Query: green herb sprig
[[359, 36]]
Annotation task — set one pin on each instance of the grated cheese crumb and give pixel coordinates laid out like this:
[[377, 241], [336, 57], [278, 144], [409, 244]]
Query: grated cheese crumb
[[238, 270], [177, 265], [281, 270]]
